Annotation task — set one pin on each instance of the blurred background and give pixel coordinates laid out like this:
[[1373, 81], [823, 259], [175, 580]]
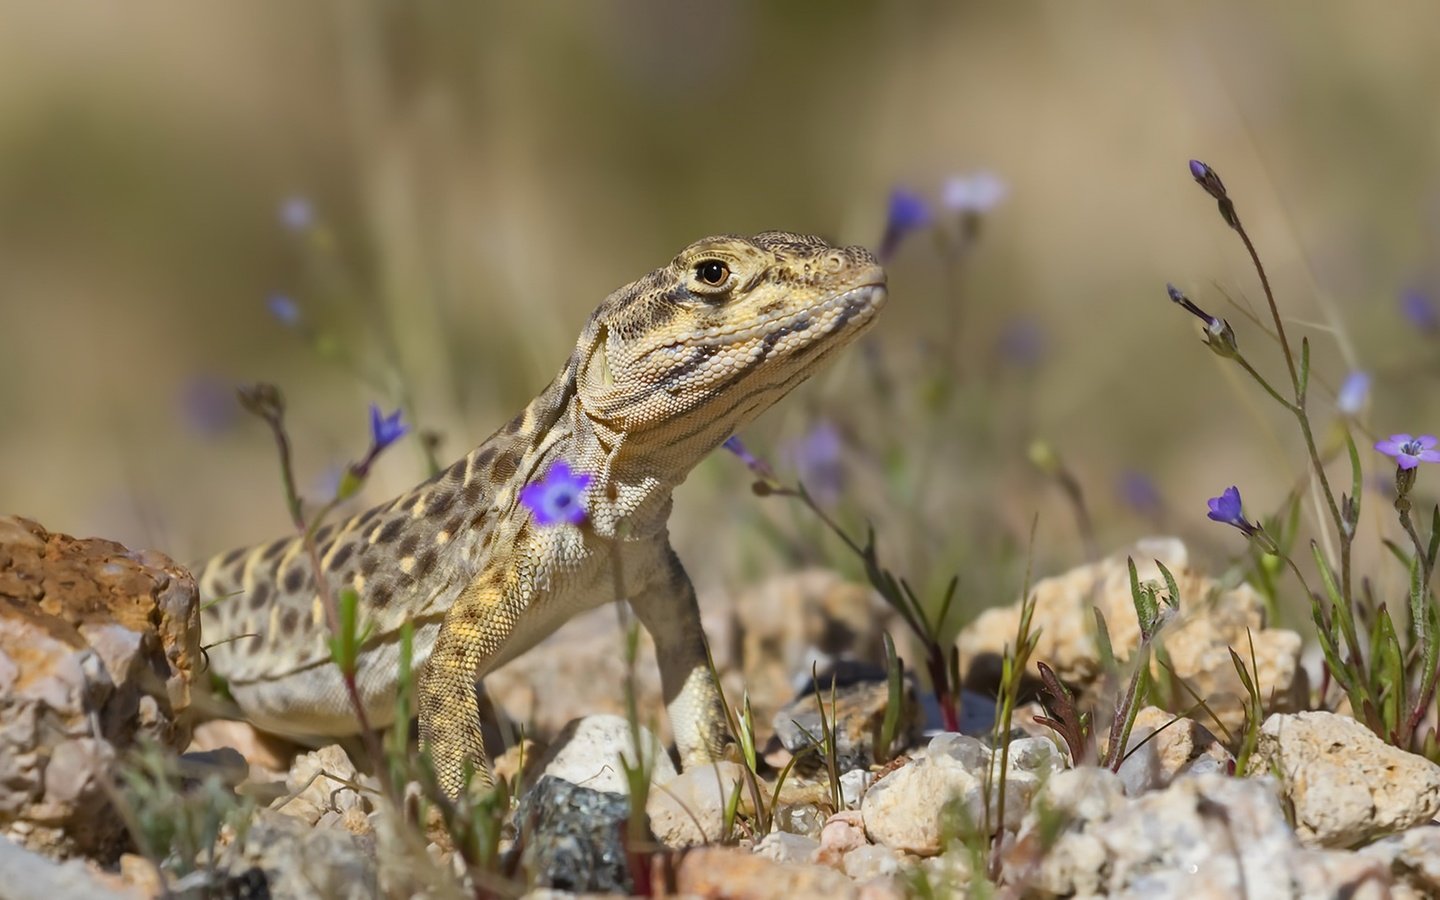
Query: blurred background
[[417, 205]]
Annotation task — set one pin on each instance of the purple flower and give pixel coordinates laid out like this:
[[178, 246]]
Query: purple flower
[[737, 447], [558, 498], [208, 403], [284, 309], [1022, 342], [1207, 178], [973, 194], [297, 214], [817, 457], [1139, 492], [384, 430], [1198, 170], [1420, 310], [1353, 393], [908, 212], [1227, 509], [1409, 452]]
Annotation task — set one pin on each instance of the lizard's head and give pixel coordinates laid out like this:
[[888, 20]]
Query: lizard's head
[[721, 333]]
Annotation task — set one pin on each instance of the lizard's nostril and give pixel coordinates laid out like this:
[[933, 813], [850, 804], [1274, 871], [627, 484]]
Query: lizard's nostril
[[835, 261]]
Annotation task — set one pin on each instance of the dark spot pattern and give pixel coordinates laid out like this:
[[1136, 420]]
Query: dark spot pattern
[[472, 492], [506, 465], [425, 563], [295, 579], [390, 531], [407, 546], [259, 595], [341, 557], [289, 621], [439, 503], [275, 549], [381, 595]]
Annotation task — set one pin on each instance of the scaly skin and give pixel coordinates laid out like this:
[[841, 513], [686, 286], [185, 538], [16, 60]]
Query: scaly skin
[[666, 369]]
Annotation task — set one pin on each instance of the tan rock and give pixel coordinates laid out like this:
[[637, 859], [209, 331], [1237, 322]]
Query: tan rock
[[689, 810], [843, 832], [321, 782], [267, 755], [784, 624], [97, 648], [734, 874], [1209, 622], [1346, 785]]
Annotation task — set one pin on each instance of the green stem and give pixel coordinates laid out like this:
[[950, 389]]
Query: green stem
[[1274, 307]]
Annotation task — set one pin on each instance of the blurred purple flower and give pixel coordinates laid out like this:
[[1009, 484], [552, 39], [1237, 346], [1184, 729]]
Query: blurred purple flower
[[1353, 393], [908, 212], [208, 404], [974, 194], [1139, 492], [558, 498], [1022, 342], [297, 214], [285, 310], [384, 430], [737, 447], [1227, 509], [817, 457], [1420, 310], [1409, 452]]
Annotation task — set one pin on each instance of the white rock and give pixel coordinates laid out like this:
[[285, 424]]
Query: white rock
[[689, 809], [1205, 835], [1346, 785], [906, 809], [961, 748], [1178, 747], [784, 847], [864, 863], [588, 753], [1413, 857], [853, 785]]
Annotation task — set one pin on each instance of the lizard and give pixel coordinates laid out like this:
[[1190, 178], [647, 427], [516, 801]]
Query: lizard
[[665, 370]]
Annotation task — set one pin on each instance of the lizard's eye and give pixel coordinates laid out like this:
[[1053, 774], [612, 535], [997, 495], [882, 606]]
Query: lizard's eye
[[712, 272]]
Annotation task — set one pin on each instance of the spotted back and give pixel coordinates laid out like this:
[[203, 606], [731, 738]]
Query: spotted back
[[407, 560]]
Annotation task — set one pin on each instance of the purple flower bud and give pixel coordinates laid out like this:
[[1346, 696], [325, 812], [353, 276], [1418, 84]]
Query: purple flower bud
[[1228, 510], [908, 212], [1420, 311], [285, 310], [384, 430]]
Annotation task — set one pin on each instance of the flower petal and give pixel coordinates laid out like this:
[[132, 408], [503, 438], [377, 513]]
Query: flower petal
[[1426, 441], [1407, 462], [1428, 456], [1389, 448], [1401, 438]]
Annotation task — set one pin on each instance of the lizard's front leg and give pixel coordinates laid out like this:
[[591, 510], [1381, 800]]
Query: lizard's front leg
[[472, 633], [669, 611]]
